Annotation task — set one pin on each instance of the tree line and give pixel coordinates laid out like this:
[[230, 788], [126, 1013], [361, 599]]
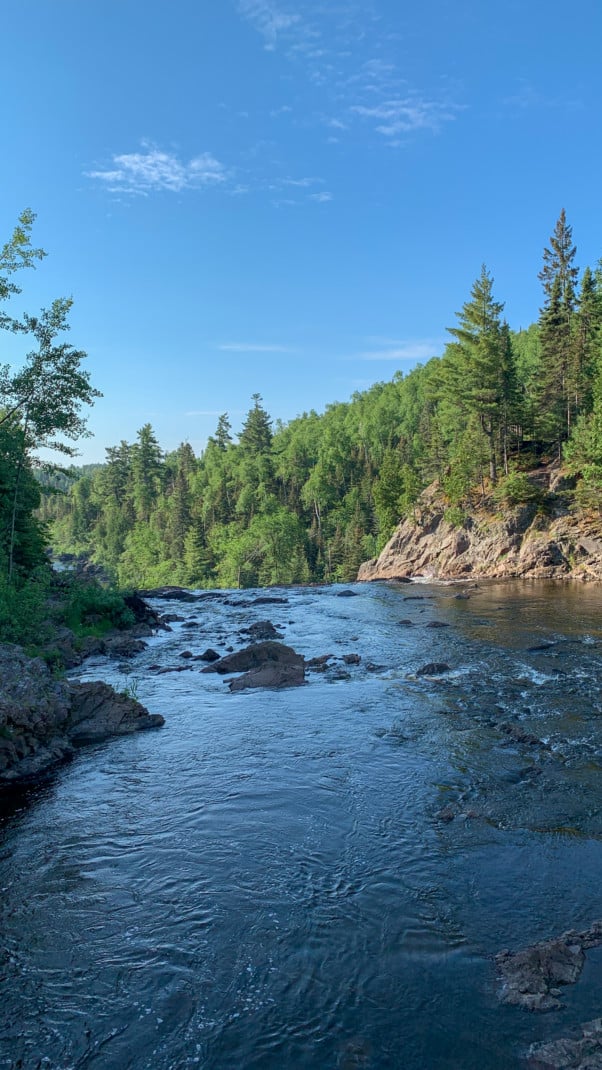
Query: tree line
[[311, 499]]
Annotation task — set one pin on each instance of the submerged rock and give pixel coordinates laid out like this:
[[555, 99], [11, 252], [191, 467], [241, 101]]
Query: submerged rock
[[583, 1053], [263, 629], [530, 978], [434, 668]]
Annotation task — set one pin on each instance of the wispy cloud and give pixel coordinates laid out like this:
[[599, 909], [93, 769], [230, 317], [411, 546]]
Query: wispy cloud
[[321, 198], [270, 20], [402, 116], [153, 170], [349, 54], [411, 350], [253, 347]]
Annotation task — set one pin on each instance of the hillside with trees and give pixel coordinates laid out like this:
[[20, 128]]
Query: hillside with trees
[[311, 499]]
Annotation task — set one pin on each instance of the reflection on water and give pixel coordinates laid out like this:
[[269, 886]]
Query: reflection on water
[[317, 877]]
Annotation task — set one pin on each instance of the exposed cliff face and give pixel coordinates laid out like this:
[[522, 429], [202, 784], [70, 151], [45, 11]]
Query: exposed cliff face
[[524, 542]]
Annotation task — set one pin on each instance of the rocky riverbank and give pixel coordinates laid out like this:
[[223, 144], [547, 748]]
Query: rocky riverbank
[[539, 539], [43, 720]]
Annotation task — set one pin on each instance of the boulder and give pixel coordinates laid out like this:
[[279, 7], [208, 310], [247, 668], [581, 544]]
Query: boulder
[[123, 646], [263, 629], [142, 612], [251, 657], [434, 668], [41, 719], [208, 655], [98, 712], [175, 594], [271, 674], [530, 978]]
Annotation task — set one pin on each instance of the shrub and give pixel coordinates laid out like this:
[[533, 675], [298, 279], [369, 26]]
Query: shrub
[[24, 609], [94, 610], [515, 489]]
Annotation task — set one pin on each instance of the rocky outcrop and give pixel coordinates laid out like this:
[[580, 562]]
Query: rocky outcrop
[[531, 978], [267, 664], [42, 719], [98, 712], [536, 541]]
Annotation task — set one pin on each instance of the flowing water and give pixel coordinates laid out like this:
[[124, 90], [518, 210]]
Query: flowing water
[[317, 877]]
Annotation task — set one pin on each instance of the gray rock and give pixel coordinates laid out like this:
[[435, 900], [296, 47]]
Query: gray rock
[[530, 978], [123, 646], [98, 712], [251, 657], [263, 629], [272, 675], [41, 719]]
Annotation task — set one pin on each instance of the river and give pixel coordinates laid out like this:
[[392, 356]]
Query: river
[[317, 877]]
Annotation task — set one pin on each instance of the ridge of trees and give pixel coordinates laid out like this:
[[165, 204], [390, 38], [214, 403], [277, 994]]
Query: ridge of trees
[[312, 499]]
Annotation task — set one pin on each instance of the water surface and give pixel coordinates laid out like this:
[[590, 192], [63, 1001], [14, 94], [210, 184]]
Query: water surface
[[317, 877]]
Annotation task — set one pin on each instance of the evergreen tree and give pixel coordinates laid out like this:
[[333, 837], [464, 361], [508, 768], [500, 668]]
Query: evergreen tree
[[147, 470], [558, 275], [481, 364]]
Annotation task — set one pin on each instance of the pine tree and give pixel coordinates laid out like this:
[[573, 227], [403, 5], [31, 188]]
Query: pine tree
[[558, 275], [481, 364]]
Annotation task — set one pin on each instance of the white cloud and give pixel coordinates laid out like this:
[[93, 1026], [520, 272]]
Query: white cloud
[[253, 347], [152, 171], [321, 198], [351, 57]]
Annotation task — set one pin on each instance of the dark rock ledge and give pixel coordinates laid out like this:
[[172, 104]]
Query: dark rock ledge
[[42, 720], [531, 978]]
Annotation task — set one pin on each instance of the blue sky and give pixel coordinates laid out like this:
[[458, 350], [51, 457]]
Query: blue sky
[[288, 196]]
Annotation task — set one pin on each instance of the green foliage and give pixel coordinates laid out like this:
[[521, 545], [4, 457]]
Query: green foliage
[[311, 499], [24, 609], [131, 688], [94, 610], [515, 489], [455, 516]]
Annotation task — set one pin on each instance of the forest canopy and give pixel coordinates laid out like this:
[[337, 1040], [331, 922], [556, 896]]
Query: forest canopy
[[311, 499]]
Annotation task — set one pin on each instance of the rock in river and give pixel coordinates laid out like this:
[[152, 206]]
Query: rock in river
[[266, 664], [530, 978], [98, 712]]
